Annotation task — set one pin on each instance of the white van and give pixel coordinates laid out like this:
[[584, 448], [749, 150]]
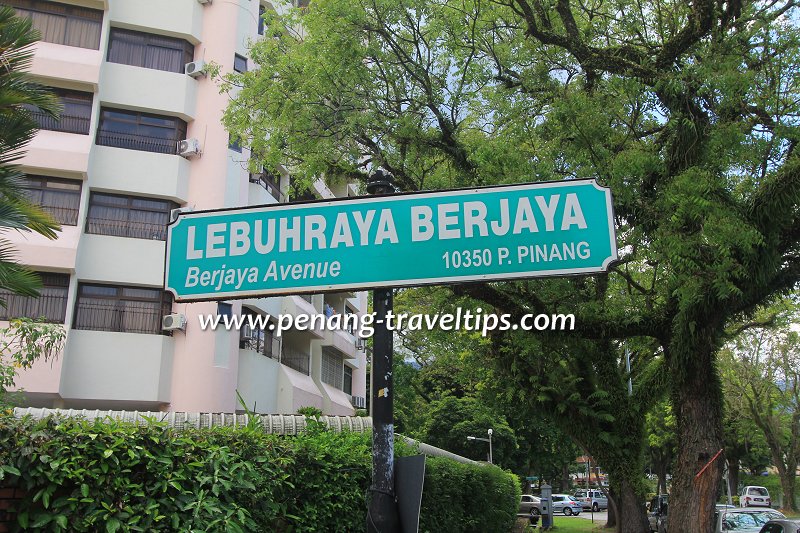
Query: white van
[[753, 496]]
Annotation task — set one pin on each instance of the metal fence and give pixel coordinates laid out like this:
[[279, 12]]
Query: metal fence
[[51, 308], [65, 123], [296, 359], [120, 316], [133, 141]]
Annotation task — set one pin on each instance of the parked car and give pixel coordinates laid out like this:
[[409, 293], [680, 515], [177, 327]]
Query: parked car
[[657, 514], [530, 504], [753, 496], [743, 520], [564, 503], [781, 526], [593, 499]]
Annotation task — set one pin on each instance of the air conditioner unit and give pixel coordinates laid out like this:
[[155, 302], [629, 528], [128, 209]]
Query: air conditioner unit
[[195, 69], [173, 322], [361, 344], [203, 1], [359, 402], [189, 148], [173, 214]]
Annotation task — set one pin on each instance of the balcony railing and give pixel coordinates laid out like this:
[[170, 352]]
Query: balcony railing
[[127, 228], [50, 308], [262, 179], [132, 141], [120, 316], [262, 342], [64, 123], [296, 359]]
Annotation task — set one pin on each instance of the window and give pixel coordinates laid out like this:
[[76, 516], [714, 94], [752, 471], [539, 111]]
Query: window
[[128, 216], [261, 11], [256, 335], [62, 23], [51, 304], [332, 368], [75, 116], [140, 131], [149, 50], [348, 380], [225, 309], [239, 63], [122, 309], [59, 197]]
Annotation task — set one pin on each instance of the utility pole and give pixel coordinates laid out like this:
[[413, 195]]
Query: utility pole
[[382, 515]]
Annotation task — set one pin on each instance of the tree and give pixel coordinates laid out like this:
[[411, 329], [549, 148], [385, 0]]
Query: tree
[[762, 382], [687, 111], [18, 95]]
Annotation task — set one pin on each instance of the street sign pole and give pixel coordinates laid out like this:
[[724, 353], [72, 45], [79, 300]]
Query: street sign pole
[[382, 515]]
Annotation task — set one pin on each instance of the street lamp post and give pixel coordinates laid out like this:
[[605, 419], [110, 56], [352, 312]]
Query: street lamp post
[[489, 440]]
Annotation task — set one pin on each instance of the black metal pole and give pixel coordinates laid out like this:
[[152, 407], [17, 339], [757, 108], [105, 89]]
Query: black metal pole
[[382, 515]]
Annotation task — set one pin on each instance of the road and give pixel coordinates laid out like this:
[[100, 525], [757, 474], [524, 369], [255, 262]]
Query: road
[[599, 518]]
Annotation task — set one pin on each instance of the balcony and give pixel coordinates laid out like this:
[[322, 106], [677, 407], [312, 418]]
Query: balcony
[[106, 258], [297, 305], [57, 151], [67, 63], [132, 141], [148, 89], [176, 18], [269, 184], [152, 174], [100, 365], [64, 123], [342, 341], [296, 359], [52, 308], [125, 317], [40, 252], [127, 228]]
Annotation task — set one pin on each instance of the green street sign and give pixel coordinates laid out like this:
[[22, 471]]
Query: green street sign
[[492, 233]]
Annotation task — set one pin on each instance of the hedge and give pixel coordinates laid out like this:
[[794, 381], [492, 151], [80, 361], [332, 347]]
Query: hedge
[[78, 475]]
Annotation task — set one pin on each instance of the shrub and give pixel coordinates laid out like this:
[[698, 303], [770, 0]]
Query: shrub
[[78, 475]]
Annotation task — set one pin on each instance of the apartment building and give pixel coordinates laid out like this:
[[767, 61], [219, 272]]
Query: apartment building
[[139, 137]]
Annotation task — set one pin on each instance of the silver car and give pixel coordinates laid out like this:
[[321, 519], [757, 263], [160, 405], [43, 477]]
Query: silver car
[[564, 503], [743, 520], [593, 499], [530, 504]]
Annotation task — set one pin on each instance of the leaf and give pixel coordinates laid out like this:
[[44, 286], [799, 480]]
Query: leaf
[[112, 525]]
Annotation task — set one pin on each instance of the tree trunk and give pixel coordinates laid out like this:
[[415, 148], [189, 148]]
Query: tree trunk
[[613, 511], [662, 478], [565, 478], [788, 486], [697, 401], [733, 475], [633, 518]]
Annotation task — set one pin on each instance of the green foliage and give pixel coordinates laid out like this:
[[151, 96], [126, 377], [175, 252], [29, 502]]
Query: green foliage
[[111, 476], [22, 343], [460, 498], [686, 111]]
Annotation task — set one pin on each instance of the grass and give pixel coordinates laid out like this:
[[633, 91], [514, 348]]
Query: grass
[[564, 524]]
